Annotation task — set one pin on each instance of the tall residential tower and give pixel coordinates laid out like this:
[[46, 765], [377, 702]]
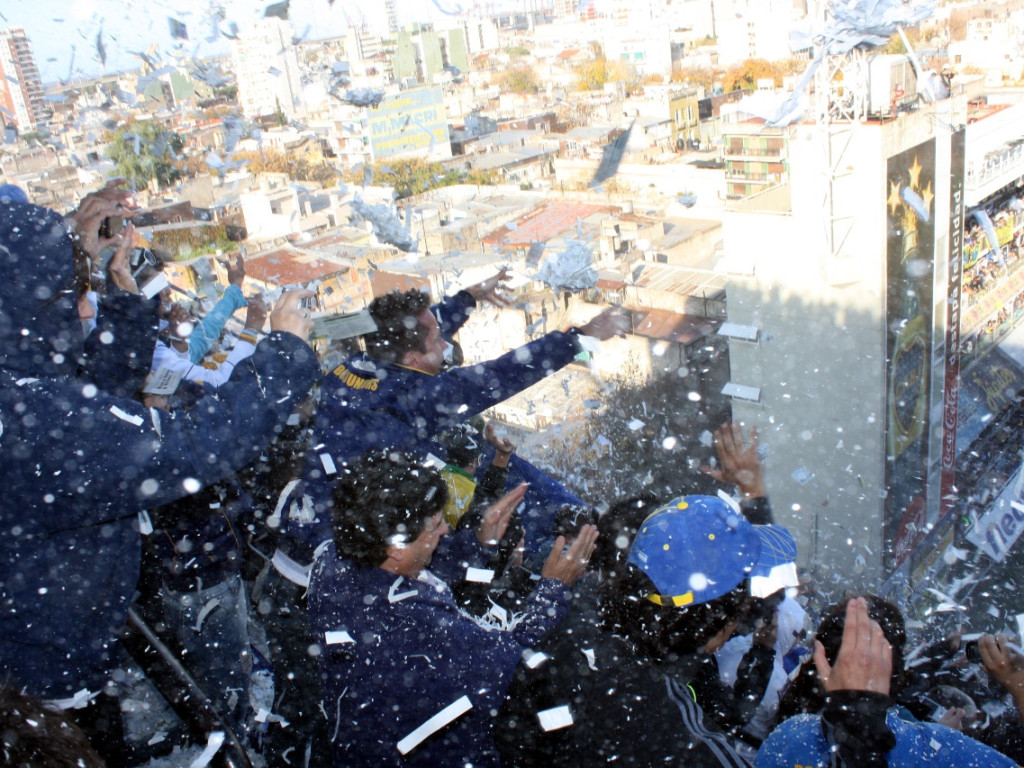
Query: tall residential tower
[[21, 89]]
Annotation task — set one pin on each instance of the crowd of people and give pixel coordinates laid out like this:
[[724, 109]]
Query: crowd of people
[[417, 593]]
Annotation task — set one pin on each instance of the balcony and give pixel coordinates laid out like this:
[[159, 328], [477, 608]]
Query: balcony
[[995, 171]]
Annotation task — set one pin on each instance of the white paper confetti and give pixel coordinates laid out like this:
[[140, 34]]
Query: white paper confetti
[[555, 718], [634, 425], [802, 475], [454, 710], [123, 416], [328, 462], [337, 637], [591, 658], [570, 270], [213, 743], [535, 659], [362, 97], [394, 596], [729, 500], [387, 227], [479, 575]]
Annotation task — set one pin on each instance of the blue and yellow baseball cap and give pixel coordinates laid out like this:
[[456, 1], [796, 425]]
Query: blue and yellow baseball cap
[[697, 548]]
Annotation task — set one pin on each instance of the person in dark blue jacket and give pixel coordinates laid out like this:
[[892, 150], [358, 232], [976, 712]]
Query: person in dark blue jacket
[[409, 679], [399, 395], [80, 464]]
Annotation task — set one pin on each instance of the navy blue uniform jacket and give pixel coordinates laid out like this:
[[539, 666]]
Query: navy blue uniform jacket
[[412, 653], [79, 464], [367, 404]]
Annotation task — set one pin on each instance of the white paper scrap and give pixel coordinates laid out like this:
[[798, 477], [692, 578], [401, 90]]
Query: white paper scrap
[[634, 425], [555, 718], [213, 743], [534, 660], [337, 637], [154, 286], [729, 500], [328, 462], [479, 575], [571, 270], [588, 343], [164, 381], [591, 658], [454, 710], [123, 416], [802, 475], [394, 596]]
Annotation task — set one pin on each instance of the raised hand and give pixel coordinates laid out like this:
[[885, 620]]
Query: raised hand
[[567, 565], [738, 462], [488, 289], [290, 316], [864, 662]]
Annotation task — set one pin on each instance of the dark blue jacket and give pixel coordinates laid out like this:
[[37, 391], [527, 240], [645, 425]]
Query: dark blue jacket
[[79, 464], [412, 654], [863, 730], [367, 404]]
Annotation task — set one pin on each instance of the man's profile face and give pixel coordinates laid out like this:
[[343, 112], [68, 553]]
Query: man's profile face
[[431, 359], [420, 551]]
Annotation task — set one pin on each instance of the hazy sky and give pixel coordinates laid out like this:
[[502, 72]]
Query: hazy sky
[[63, 33]]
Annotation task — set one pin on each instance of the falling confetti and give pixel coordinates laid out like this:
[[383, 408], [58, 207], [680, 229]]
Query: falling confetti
[[387, 227], [570, 270]]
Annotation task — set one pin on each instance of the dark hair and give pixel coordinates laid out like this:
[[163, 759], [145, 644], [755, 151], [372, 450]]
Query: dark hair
[[31, 734], [380, 498], [617, 528], [398, 327], [462, 445], [662, 630], [806, 695]]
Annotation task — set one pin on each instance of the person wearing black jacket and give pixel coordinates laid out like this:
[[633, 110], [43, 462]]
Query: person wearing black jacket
[[631, 686]]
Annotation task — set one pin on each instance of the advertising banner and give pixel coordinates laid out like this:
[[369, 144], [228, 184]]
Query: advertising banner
[[910, 269], [410, 122]]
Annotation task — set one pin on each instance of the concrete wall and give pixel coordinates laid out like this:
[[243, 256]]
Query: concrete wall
[[820, 359]]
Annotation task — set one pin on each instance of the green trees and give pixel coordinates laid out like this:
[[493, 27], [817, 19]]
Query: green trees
[[145, 152], [592, 75], [519, 79], [414, 175]]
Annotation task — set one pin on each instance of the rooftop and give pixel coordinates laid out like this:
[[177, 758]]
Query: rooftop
[[291, 266], [664, 325], [545, 223]]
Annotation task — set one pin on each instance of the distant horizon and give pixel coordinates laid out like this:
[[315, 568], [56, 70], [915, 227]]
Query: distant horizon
[[63, 36]]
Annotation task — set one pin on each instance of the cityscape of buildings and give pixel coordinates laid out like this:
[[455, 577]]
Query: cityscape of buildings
[[850, 283]]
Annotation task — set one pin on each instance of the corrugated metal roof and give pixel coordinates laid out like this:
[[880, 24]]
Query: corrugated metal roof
[[663, 325], [683, 281], [544, 224], [286, 266]]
